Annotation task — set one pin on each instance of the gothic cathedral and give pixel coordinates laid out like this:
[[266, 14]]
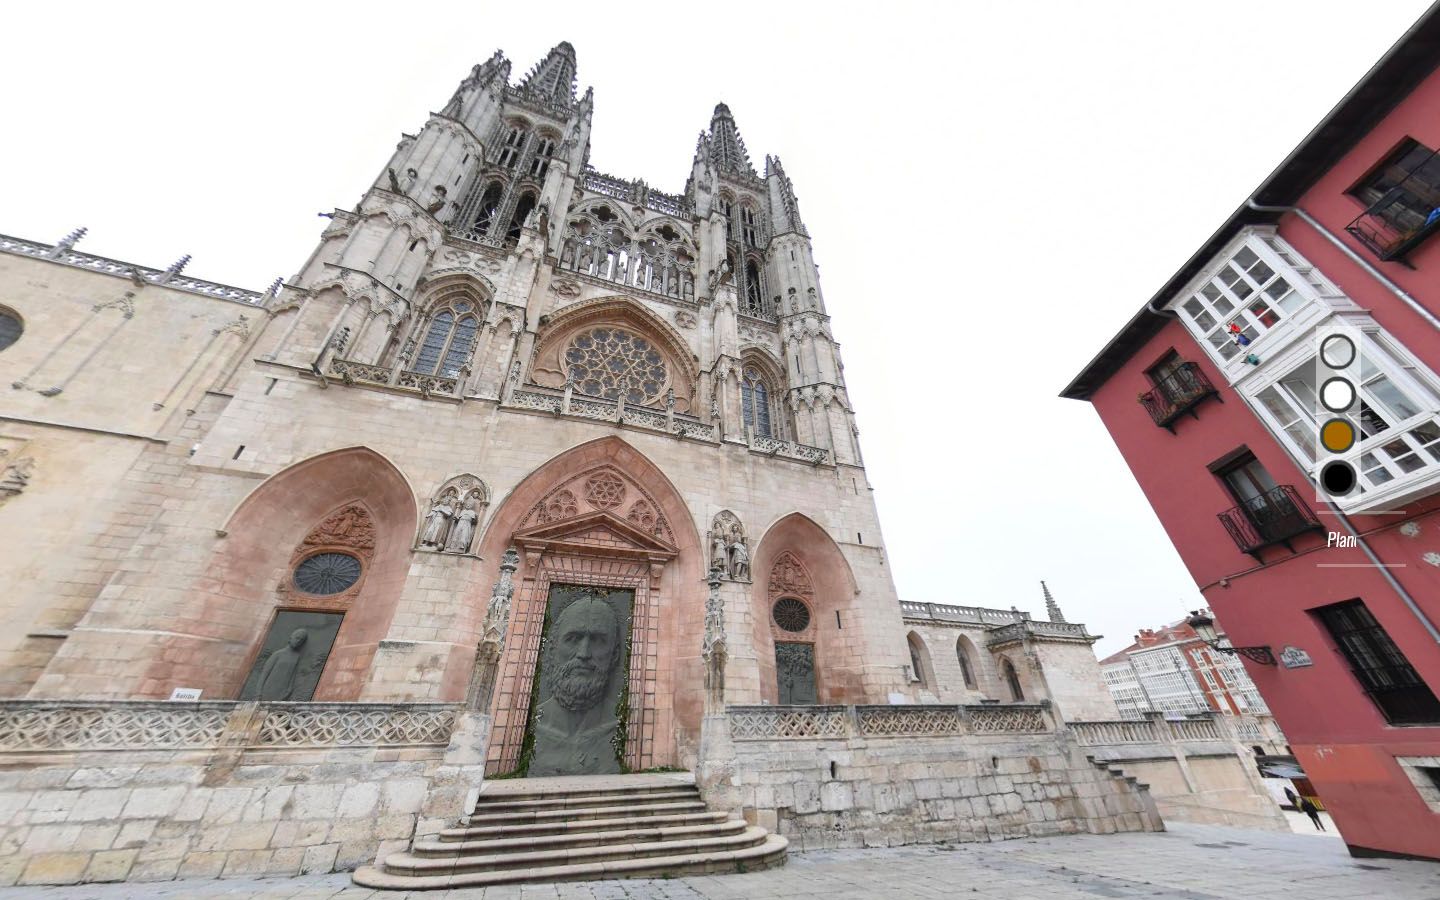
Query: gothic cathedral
[[509, 403]]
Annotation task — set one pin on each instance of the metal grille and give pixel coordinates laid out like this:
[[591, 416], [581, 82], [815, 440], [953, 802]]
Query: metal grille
[[791, 615], [327, 573], [1381, 668]]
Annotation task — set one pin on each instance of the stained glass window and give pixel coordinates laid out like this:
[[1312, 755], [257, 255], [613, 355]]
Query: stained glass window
[[790, 614], [613, 363], [327, 573], [448, 341], [755, 403]]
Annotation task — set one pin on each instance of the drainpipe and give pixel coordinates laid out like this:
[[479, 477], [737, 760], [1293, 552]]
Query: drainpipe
[[1356, 258]]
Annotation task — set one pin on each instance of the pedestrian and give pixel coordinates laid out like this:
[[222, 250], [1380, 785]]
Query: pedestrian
[[1294, 800], [1308, 807]]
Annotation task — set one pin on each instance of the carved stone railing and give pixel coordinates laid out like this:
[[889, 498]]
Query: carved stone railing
[[1247, 729], [361, 372], [601, 410], [77, 726], [970, 615], [1018, 631], [790, 450], [119, 725], [882, 721], [354, 724], [770, 723], [1120, 731], [762, 723], [636, 192], [428, 384], [179, 282], [1206, 729]]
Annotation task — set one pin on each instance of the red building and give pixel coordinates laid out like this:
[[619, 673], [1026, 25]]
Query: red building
[[1210, 392]]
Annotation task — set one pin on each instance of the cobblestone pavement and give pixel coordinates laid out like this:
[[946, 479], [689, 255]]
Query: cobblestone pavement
[[1191, 862]]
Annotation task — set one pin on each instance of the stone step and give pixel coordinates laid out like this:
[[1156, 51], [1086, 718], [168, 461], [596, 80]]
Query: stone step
[[539, 829], [522, 817], [519, 789], [452, 848], [410, 864], [591, 799], [766, 853]]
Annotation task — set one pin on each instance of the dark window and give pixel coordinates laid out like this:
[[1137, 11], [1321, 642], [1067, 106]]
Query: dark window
[[327, 573], [755, 403], [965, 669], [916, 659], [1432, 773], [486, 213], [10, 329], [1405, 189], [1382, 670], [1012, 678], [517, 221]]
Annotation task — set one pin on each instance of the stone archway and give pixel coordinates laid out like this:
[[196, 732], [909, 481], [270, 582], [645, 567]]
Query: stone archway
[[603, 516]]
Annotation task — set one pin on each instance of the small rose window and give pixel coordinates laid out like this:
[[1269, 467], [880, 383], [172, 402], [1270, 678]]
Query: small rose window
[[790, 614], [327, 573]]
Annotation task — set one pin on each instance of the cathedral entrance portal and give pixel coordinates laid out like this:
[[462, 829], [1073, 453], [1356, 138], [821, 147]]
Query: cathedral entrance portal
[[578, 714], [795, 672]]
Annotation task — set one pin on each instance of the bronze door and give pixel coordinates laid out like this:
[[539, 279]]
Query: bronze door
[[292, 657], [795, 672], [577, 709]]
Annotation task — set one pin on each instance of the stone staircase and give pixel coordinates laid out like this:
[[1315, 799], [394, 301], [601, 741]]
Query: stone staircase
[[580, 828]]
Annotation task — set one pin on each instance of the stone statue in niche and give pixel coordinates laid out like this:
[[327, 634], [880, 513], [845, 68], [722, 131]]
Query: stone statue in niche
[[462, 529], [15, 476], [454, 515], [437, 522], [437, 199], [717, 551], [739, 558], [583, 658], [292, 657]]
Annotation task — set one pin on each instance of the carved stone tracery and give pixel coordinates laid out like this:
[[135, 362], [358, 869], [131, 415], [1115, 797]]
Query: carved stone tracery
[[606, 489], [349, 530]]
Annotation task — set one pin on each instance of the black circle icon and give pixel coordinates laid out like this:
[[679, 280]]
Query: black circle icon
[[1338, 477]]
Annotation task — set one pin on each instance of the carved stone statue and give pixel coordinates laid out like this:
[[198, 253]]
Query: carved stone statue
[[437, 523], [739, 559], [717, 551], [277, 679], [15, 477], [437, 199], [714, 650], [462, 528]]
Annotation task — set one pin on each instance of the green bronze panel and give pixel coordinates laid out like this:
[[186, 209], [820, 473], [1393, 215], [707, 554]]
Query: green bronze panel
[[577, 715], [294, 654], [795, 672]]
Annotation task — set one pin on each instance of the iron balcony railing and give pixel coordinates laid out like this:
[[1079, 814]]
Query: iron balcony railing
[[1404, 216], [1273, 517], [1176, 394]]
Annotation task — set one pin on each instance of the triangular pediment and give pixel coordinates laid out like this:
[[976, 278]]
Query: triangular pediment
[[597, 530]]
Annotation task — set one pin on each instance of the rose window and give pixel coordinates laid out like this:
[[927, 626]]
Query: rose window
[[790, 614], [605, 491], [611, 363], [327, 573]]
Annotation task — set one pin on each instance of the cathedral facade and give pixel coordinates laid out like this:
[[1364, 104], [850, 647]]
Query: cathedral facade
[[497, 348]]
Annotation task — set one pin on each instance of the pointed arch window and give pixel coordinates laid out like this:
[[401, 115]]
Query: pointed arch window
[[966, 671], [523, 207], [448, 341], [917, 659], [544, 150], [755, 403], [754, 289], [749, 231], [1012, 678], [489, 204], [10, 328], [514, 144]]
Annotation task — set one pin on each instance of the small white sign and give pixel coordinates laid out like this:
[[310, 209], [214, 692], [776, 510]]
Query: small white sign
[[185, 694], [1294, 658]]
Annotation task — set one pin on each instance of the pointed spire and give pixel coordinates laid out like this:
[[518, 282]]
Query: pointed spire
[[553, 78], [64, 244], [175, 269], [1052, 608], [727, 148], [481, 74], [784, 208]]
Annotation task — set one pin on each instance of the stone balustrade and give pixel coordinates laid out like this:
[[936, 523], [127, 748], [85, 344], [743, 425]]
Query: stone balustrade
[[770, 723], [790, 450], [30, 726], [602, 410], [179, 282], [1124, 731], [969, 615]]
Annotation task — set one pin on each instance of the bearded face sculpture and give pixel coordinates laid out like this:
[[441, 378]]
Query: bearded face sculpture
[[575, 725]]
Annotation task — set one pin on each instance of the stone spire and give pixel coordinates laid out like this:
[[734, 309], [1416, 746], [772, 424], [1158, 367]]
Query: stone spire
[[1052, 609], [481, 74], [784, 209], [727, 148], [552, 80]]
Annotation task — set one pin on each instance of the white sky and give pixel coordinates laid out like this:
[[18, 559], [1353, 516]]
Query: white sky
[[992, 190]]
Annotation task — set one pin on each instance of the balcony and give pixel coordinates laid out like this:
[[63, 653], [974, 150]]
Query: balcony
[[1404, 216], [1176, 394], [1274, 517]]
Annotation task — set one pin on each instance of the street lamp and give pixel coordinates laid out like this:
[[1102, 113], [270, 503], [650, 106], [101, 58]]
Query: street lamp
[[1205, 627]]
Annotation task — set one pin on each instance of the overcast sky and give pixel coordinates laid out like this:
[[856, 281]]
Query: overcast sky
[[992, 190]]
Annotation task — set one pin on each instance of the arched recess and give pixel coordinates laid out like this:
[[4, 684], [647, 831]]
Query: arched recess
[[636, 534], [922, 669], [840, 674], [762, 382], [972, 673], [548, 366], [249, 577], [445, 332], [1012, 683]]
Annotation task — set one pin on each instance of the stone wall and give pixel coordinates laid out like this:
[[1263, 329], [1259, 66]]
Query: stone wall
[[882, 776], [152, 791]]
